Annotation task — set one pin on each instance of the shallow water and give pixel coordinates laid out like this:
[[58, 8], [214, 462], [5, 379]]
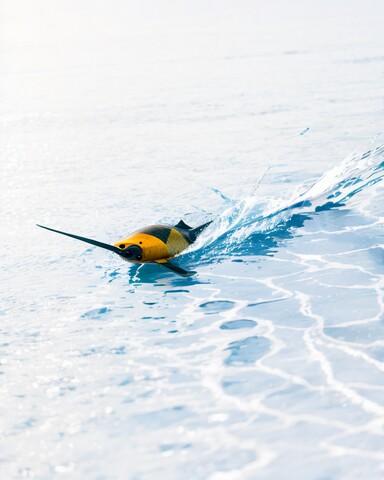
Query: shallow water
[[267, 119]]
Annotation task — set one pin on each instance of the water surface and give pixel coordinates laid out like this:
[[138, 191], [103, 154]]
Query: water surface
[[267, 118]]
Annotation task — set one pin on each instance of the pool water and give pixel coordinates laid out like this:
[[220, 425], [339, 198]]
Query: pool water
[[268, 120]]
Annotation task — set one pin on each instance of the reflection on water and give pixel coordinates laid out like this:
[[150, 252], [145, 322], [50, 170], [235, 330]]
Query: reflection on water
[[117, 115]]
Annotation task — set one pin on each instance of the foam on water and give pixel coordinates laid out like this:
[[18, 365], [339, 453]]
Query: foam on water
[[253, 226]]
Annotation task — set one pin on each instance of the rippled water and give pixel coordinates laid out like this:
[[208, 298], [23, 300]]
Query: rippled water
[[266, 118]]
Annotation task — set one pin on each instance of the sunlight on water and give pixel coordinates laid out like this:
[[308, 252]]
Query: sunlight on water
[[268, 364]]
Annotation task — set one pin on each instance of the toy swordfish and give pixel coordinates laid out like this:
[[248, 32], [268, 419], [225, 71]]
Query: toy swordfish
[[153, 244]]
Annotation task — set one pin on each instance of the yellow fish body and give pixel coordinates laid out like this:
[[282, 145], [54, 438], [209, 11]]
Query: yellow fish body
[[155, 243]]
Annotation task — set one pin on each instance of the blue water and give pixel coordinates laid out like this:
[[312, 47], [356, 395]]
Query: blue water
[[268, 120]]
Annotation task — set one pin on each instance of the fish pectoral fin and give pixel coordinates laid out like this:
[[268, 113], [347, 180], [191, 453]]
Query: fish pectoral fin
[[175, 268]]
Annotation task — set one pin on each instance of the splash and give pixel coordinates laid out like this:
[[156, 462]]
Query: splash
[[255, 226]]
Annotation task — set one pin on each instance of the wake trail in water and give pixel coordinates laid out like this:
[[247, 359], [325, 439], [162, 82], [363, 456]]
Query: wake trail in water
[[252, 225]]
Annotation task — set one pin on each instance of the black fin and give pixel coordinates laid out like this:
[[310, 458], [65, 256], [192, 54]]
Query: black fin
[[195, 232], [86, 240], [176, 269], [182, 224]]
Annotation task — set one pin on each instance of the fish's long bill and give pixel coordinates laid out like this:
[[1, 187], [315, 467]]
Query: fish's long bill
[[86, 240]]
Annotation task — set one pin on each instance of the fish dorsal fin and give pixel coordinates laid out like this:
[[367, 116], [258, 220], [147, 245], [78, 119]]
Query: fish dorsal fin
[[182, 224]]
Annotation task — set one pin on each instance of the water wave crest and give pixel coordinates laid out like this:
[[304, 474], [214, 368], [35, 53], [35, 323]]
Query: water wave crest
[[255, 226]]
